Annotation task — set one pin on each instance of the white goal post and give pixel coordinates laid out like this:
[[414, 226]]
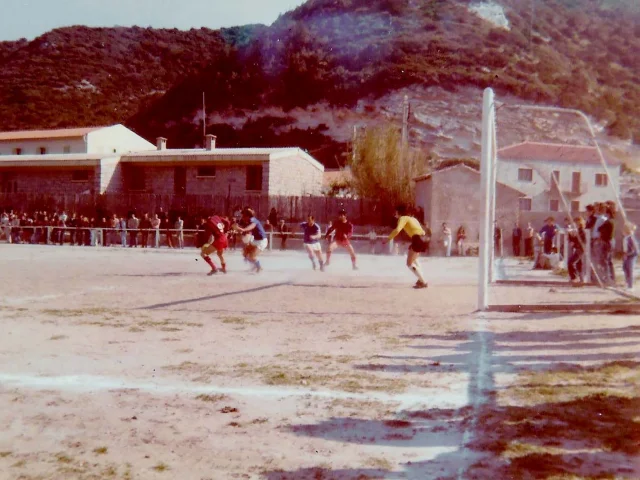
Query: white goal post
[[488, 182]]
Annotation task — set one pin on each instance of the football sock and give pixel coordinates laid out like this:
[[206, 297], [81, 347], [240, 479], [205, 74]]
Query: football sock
[[210, 262], [417, 271]]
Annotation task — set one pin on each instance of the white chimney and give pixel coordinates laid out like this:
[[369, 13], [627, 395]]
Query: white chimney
[[161, 142], [210, 142]]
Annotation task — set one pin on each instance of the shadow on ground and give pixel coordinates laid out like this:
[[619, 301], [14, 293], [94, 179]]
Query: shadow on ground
[[558, 418]]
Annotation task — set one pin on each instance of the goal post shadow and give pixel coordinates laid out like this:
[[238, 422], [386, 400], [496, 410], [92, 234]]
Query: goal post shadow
[[627, 303]]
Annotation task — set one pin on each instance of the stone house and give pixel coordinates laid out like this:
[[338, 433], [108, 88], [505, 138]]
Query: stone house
[[546, 173], [219, 171], [452, 196], [115, 160]]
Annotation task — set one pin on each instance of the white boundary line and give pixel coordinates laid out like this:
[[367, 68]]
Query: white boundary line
[[435, 397], [477, 390]]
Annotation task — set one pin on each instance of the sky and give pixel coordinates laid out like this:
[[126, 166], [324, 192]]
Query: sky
[[31, 18]]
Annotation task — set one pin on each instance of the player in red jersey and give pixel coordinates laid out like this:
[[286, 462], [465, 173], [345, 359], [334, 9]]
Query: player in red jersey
[[212, 238], [343, 229]]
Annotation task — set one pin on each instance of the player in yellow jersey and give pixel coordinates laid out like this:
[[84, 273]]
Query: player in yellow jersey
[[414, 230]]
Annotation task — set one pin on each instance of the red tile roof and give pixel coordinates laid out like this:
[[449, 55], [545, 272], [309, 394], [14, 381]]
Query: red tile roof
[[46, 134], [554, 152]]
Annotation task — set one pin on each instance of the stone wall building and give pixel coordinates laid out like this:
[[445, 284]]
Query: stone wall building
[[452, 196], [114, 160]]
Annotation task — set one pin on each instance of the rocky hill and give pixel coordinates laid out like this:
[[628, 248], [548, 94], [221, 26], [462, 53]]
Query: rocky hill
[[332, 64]]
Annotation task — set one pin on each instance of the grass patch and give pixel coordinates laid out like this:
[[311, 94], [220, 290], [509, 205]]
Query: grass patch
[[212, 398], [348, 382], [184, 350], [379, 463], [81, 312], [378, 327], [5, 454], [58, 337], [570, 382], [560, 423], [200, 372], [342, 338], [110, 472], [19, 464], [235, 320], [62, 458], [161, 467], [100, 450], [136, 329]]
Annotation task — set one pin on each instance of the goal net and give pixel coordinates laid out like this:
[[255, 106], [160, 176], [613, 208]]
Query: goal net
[[550, 199]]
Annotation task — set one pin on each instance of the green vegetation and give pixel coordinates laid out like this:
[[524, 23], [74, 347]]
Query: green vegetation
[[384, 169], [574, 53]]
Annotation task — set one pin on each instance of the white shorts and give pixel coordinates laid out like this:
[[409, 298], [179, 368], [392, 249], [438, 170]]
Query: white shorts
[[314, 247], [260, 244]]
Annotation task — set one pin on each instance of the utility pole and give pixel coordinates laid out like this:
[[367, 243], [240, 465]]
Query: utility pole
[[204, 123], [354, 144], [405, 121]]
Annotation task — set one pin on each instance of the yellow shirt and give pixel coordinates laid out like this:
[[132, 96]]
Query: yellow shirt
[[410, 225]]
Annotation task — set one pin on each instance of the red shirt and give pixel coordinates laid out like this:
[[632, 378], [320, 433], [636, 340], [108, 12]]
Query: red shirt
[[343, 230], [216, 226]]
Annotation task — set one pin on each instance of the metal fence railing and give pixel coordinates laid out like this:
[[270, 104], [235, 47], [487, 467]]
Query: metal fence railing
[[160, 238]]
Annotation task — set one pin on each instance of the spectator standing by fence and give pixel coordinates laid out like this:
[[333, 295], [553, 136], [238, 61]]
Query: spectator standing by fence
[[577, 241], [548, 231], [373, 239], [497, 240], [461, 236], [155, 225], [284, 232], [123, 231], [446, 239], [132, 225], [144, 226], [528, 241], [273, 217], [516, 239], [607, 235], [631, 250], [179, 226]]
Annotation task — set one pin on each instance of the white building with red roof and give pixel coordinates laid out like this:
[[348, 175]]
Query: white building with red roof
[[547, 173], [93, 140]]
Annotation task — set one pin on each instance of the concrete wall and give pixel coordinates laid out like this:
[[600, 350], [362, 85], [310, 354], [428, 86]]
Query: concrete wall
[[32, 147], [539, 189], [116, 139], [294, 175], [111, 177], [423, 198], [452, 196], [229, 179], [52, 181]]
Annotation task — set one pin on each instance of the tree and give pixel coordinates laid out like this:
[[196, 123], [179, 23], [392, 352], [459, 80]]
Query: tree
[[383, 168]]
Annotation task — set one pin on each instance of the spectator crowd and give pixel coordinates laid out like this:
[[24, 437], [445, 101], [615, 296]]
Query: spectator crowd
[[597, 230]]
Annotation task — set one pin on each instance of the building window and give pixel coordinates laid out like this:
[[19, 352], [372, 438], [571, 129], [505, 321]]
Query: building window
[[575, 206], [66, 149], [136, 179], [601, 180], [42, 150], [17, 151], [525, 204], [80, 176], [554, 205], [206, 172], [525, 174], [254, 178]]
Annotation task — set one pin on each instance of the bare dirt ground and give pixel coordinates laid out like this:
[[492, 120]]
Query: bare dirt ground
[[128, 364]]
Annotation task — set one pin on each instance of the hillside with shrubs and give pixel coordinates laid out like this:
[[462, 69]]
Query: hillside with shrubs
[[327, 58]]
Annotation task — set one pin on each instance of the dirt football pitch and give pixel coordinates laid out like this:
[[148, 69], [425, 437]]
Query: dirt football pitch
[[128, 364]]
